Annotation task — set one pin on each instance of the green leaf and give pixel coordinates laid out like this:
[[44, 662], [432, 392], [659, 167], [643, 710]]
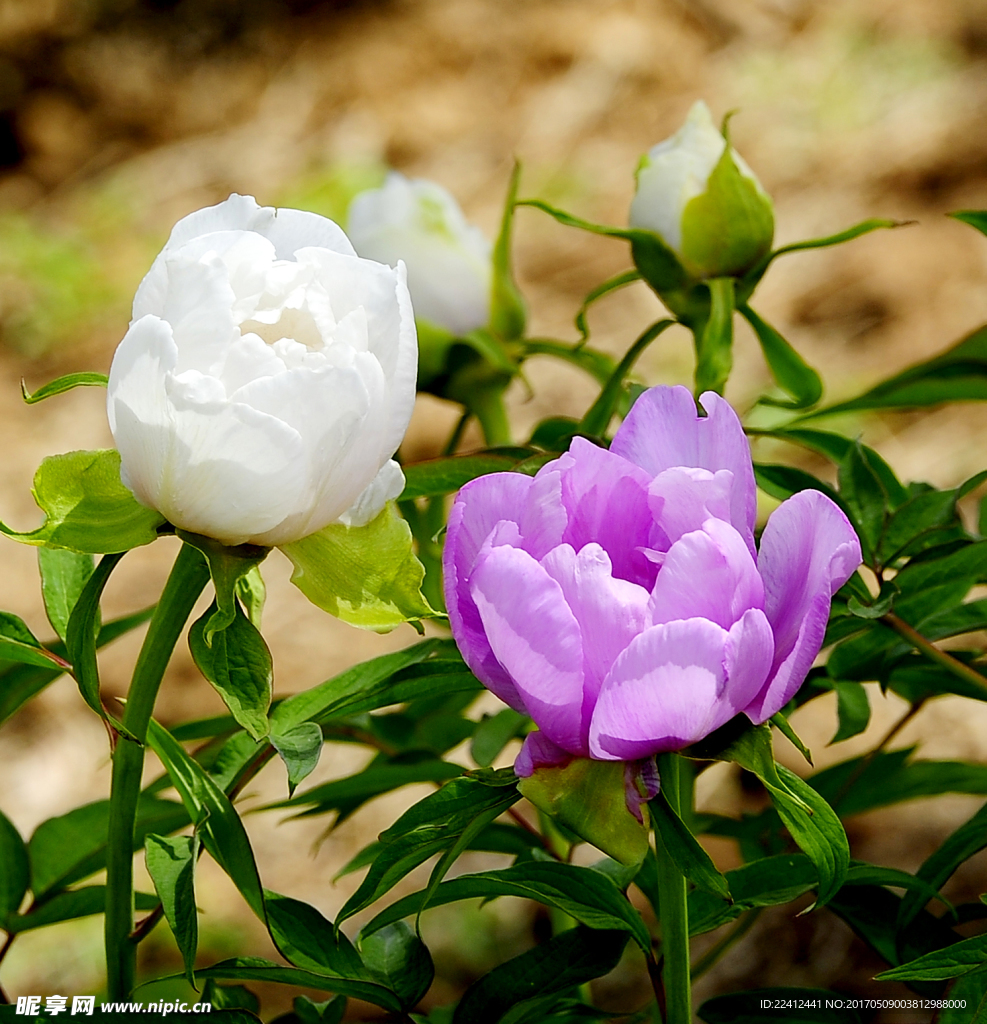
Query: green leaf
[[18, 644], [689, 857], [171, 865], [853, 709], [367, 576], [444, 821], [790, 371], [588, 797], [19, 683], [863, 228], [833, 446], [889, 778], [64, 573], [401, 961], [332, 1011], [938, 867], [72, 904], [599, 414], [432, 666], [975, 218], [599, 365], [494, 733], [781, 723], [951, 962], [222, 831], [14, 871], [587, 895], [783, 481], [774, 1005], [446, 475], [239, 666], [620, 280], [63, 384], [507, 307], [969, 996], [86, 506], [82, 630], [299, 748], [72, 846], [226, 997], [252, 592], [957, 375], [714, 344], [254, 968], [811, 821], [566, 961]]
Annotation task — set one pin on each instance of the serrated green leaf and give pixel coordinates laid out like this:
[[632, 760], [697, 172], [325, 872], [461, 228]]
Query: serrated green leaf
[[86, 506], [64, 574], [221, 830], [587, 895], [367, 576], [14, 870], [564, 962], [239, 666], [399, 959], [62, 384], [171, 864]]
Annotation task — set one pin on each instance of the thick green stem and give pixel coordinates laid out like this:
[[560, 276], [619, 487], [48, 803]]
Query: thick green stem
[[674, 912], [486, 402], [187, 580]]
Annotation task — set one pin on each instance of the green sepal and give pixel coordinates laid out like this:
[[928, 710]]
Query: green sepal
[[86, 506], [508, 313], [227, 566], [589, 799], [367, 575], [63, 384], [252, 592], [727, 229], [714, 341], [239, 666]]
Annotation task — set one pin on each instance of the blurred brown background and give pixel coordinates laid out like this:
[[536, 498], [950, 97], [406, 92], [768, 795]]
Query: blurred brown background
[[119, 116]]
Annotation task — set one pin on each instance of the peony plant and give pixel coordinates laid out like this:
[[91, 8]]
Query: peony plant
[[610, 579]]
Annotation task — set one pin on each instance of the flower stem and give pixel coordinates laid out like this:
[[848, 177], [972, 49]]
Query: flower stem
[[674, 912], [486, 402], [189, 576]]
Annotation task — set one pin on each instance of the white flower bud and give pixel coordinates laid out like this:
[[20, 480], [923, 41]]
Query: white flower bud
[[267, 377], [712, 213], [448, 259]]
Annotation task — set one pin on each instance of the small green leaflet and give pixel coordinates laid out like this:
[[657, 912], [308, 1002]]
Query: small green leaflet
[[171, 865], [63, 384]]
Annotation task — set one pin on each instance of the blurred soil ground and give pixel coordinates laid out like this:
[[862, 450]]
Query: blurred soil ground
[[117, 117]]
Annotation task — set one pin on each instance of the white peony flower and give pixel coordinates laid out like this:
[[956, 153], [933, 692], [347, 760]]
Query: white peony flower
[[448, 259], [735, 226], [267, 377]]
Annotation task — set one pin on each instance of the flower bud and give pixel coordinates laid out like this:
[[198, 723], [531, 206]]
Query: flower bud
[[448, 259], [699, 196], [267, 377]]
